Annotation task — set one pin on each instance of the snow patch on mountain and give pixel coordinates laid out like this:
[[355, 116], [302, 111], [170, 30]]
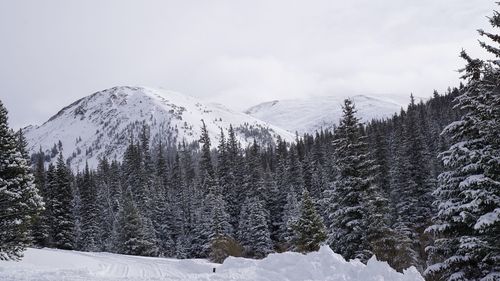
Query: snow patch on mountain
[[103, 124], [311, 114]]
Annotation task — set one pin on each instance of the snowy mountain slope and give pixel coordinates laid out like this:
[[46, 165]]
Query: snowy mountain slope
[[49, 264], [102, 124], [311, 114]]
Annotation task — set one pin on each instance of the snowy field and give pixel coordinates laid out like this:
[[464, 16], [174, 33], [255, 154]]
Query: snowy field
[[55, 265]]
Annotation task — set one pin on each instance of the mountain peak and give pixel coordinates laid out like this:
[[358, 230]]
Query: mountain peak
[[313, 113], [102, 124]]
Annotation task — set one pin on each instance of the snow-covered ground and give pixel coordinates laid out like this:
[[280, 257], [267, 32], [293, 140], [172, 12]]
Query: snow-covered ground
[[55, 265]]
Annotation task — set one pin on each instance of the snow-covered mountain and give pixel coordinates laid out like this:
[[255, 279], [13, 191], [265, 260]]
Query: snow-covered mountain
[[101, 125], [310, 114]]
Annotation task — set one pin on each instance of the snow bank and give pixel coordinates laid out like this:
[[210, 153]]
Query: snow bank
[[322, 265], [49, 264]]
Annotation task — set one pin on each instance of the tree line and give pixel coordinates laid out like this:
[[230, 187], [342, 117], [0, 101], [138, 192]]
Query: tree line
[[362, 189]]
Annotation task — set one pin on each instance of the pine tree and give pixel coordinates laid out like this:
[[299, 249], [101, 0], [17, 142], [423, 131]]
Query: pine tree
[[178, 203], [206, 166], [202, 228], [291, 213], [254, 233], [220, 218], [132, 236], [109, 194], [222, 231], [19, 199], [253, 173], [40, 225], [295, 180], [309, 231], [348, 210], [146, 174], [231, 183], [467, 225], [89, 212], [62, 221]]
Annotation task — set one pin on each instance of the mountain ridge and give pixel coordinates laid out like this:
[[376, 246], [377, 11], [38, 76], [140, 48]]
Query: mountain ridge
[[319, 112], [101, 124]]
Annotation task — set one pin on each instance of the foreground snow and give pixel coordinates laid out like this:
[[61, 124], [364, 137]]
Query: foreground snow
[[49, 264]]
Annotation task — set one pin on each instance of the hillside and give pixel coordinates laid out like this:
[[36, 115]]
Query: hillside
[[103, 124], [310, 114]]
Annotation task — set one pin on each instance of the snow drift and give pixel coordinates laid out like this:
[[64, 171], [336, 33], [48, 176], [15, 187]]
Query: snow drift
[[324, 265]]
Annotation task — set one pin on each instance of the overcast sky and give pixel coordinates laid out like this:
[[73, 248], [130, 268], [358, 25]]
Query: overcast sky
[[238, 53]]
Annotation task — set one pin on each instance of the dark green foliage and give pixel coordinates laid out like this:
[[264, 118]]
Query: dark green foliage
[[19, 199], [253, 230], [132, 233], [467, 224], [309, 231], [89, 211], [60, 206], [348, 199], [41, 229]]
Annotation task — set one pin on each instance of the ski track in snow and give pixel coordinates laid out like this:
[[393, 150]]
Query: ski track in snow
[[55, 265]]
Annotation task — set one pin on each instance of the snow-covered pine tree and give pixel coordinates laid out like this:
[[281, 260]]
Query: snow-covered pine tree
[[109, 194], [146, 173], [130, 233], [309, 230], [178, 201], [273, 205], [208, 186], [150, 240], [253, 231], [347, 200], [206, 166], [19, 199], [89, 212], [253, 182], [222, 230], [318, 182], [162, 219], [22, 143], [220, 218], [291, 213], [132, 176], [416, 194], [401, 197], [202, 225], [280, 179], [40, 227], [233, 192], [49, 199], [295, 179], [467, 225], [61, 204], [383, 241]]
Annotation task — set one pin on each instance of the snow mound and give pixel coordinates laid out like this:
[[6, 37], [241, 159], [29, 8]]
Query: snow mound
[[324, 265]]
